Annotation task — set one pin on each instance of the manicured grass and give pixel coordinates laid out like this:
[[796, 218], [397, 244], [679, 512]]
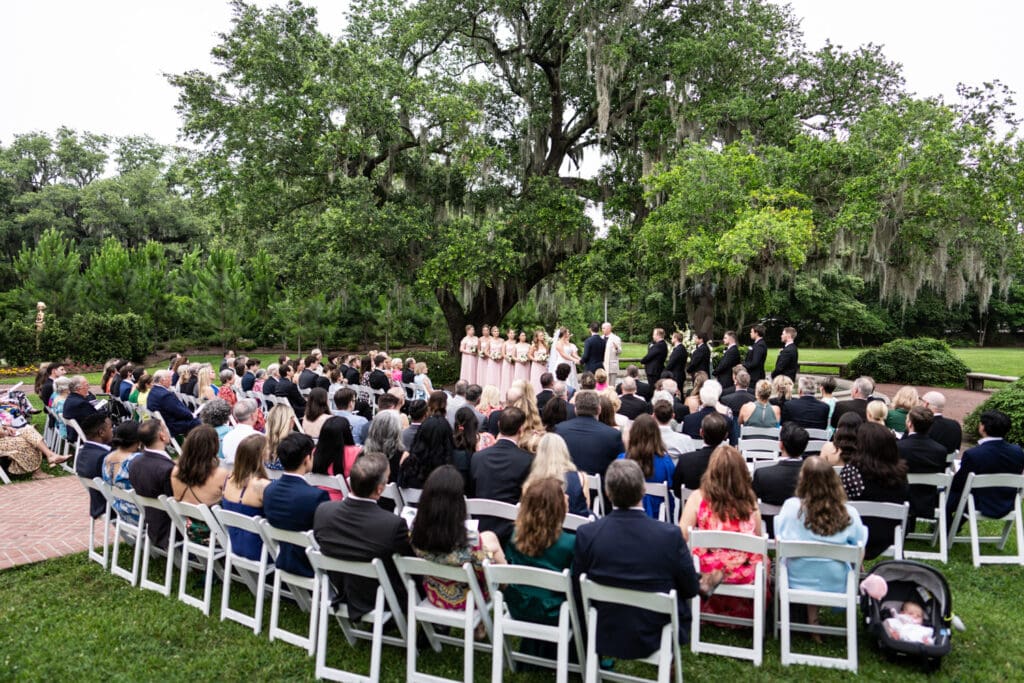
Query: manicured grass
[[68, 619]]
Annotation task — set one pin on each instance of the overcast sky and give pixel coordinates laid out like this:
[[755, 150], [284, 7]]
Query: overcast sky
[[98, 65]]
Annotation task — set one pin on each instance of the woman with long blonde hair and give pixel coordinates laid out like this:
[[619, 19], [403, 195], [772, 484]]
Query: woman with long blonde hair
[[552, 461], [280, 423], [490, 400], [526, 401], [692, 401], [205, 390]]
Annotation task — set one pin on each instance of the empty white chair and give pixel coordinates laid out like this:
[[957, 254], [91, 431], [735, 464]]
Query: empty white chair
[[186, 516], [386, 608], [668, 656], [252, 572], [149, 549], [1011, 521], [477, 611], [96, 484], [851, 556], [563, 635], [896, 512], [305, 590], [756, 592], [940, 530]]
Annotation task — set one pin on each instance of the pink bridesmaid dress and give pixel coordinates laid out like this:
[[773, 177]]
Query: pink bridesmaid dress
[[469, 359], [483, 346], [538, 368], [507, 369], [522, 367], [494, 364]]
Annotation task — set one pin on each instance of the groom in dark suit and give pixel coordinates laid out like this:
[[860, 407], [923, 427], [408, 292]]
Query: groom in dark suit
[[756, 355], [657, 352], [593, 349], [788, 361], [730, 359]]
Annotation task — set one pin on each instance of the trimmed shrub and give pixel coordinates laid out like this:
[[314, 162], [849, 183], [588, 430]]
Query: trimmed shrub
[[87, 338], [441, 366], [923, 361], [1009, 400]]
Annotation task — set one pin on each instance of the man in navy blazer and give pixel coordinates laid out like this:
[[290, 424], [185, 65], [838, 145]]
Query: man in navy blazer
[[628, 549], [730, 359], [992, 455], [776, 483], [286, 388], [592, 445], [807, 411], [498, 472], [290, 503], [593, 349], [756, 355], [79, 404], [89, 460], [150, 476], [179, 419]]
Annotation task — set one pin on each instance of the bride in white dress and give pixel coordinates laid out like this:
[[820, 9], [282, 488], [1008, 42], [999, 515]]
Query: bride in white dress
[[564, 351]]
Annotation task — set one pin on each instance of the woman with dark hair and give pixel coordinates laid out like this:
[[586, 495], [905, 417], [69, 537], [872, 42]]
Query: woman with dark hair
[[433, 447], [725, 501], [437, 404], [468, 440], [335, 451], [123, 449], [648, 450], [365, 368], [556, 410], [244, 493], [875, 473], [198, 477], [439, 534], [317, 412], [844, 442]]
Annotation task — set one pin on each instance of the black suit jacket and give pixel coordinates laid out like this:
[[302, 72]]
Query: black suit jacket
[[288, 389], [379, 381], [787, 362], [730, 359], [270, 386], [632, 406], [290, 503], [691, 425], [628, 549], [923, 456], [89, 464], [248, 380], [991, 457], [677, 364], [78, 407], [592, 445], [179, 419], [773, 485], [851, 405], [806, 411], [654, 360], [700, 360], [150, 476], [593, 352], [307, 379], [351, 374], [737, 399], [947, 432], [690, 468], [754, 362], [361, 530], [498, 473], [543, 397]]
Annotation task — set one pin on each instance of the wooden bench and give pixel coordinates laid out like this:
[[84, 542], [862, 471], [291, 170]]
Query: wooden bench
[[975, 381], [840, 367]]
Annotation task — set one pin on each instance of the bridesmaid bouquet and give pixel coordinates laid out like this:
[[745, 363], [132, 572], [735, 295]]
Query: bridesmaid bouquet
[[540, 357], [471, 347], [522, 358], [510, 358], [497, 354], [482, 352]]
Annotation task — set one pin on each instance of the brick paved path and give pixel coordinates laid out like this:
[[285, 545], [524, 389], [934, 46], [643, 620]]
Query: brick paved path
[[40, 520]]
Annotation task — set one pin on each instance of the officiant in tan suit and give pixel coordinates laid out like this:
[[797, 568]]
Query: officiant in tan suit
[[612, 351]]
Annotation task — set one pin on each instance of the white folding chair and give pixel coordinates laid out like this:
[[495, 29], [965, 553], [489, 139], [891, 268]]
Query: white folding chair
[[759, 449], [767, 433], [817, 434], [183, 515], [756, 591], [1012, 520], [96, 484], [668, 656], [336, 482], [896, 512], [679, 502], [767, 510], [566, 632], [410, 497], [596, 494], [477, 611], [305, 590], [484, 507], [573, 522], [392, 493], [386, 608], [659, 489], [125, 529], [252, 572], [940, 530], [72, 426], [851, 556], [3, 474], [149, 549]]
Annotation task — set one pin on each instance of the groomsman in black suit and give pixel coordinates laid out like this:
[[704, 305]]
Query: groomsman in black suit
[[756, 355], [788, 359], [700, 361], [730, 359], [657, 352], [593, 349], [677, 359]]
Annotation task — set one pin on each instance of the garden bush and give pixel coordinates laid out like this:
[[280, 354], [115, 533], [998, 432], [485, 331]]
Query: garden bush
[[1009, 400], [442, 367], [86, 338], [923, 362]]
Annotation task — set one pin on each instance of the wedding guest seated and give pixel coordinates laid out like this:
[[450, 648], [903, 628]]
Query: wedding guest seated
[[228, 384], [875, 473], [806, 411], [741, 394], [877, 412], [89, 461], [289, 503], [840, 449], [80, 402], [437, 404], [905, 399], [244, 490], [116, 466], [360, 530], [609, 412], [432, 447], [725, 501], [317, 413], [631, 405], [922, 455], [458, 400], [385, 436], [335, 452], [547, 383], [179, 419], [552, 461], [244, 412], [647, 450], [692, 400], [424, 387], [417, 413], [307, 378], [469, 440], [675, 443], [592, 445], [286, 388], [198, 477], [59, 395], [993, 455], [555, 412], [944, 430], [562, 375], [249, 378], [270, 383], [761, 413], [643, 389], [691, 466], [25, 448], [498, 472], [216, 414], [776, 484], [345, 402], [150, 476], [709, 394], [860, 392]]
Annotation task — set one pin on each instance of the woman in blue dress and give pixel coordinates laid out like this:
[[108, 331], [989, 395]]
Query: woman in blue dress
[[648, 450], [243, 493], [123, 449]]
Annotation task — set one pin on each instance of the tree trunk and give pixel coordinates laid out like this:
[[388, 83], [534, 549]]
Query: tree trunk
[[486, 307], [703, 310]]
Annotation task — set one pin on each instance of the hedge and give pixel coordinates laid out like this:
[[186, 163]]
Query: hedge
[[922, 361], [86, 338], [1009, 400]]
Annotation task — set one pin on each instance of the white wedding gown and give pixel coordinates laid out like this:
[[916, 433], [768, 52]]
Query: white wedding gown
[[556, 358]]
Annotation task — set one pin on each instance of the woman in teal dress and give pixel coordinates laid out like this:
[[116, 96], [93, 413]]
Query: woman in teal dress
[[124, 447]]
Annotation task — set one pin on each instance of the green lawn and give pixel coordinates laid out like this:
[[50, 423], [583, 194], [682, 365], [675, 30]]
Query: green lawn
[[68, 619]]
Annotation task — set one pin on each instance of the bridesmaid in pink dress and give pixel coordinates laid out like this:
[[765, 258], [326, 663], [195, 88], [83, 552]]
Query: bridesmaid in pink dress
[[497, 351], [468, 350], [483, 351], [508, 366], [522, 367], [538, 359]]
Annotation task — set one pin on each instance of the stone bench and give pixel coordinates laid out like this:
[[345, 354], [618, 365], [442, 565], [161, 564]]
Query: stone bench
[[840, 367], [975, 381]]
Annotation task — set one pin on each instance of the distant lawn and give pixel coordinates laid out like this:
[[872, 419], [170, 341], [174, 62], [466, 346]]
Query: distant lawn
[[67, 619]]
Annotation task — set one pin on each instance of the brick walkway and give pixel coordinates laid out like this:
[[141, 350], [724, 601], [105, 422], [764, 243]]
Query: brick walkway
[[40, 520]]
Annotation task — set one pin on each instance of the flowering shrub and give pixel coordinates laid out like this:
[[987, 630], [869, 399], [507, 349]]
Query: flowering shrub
[[18, 371]]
